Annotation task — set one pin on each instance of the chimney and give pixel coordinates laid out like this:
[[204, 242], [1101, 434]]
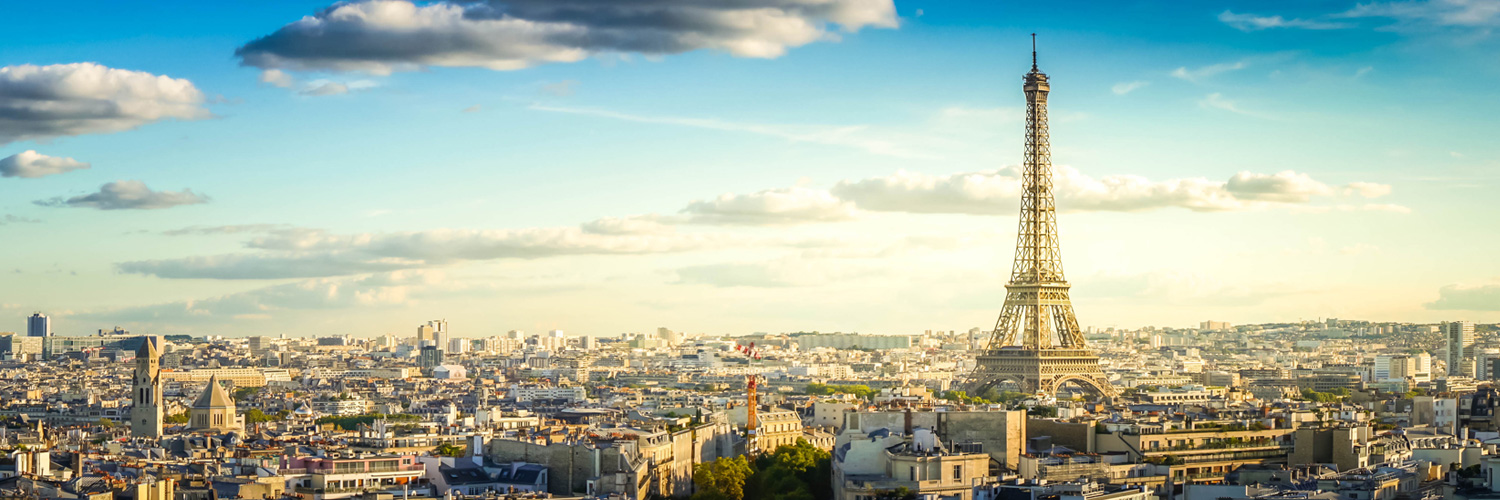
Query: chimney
[[907, 427]]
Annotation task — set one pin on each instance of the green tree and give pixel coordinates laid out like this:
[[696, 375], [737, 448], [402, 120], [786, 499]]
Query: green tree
[[255, 416], [106, 423], [798, 471], [721, 479], [244, 393], [179, 418], [448, 450]]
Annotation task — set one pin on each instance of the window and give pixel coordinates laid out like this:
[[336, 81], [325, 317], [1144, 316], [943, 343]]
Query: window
[[958, 473], [913, 471]]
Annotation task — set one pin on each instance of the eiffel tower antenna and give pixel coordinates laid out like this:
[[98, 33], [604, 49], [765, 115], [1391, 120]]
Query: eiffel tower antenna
[[1036, 344]]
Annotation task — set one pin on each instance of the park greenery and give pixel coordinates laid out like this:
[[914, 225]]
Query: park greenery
[[1325, 397], [791, 472]]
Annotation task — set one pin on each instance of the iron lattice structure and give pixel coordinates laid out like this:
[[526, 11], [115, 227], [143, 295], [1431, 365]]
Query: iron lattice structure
[[1036, 343]]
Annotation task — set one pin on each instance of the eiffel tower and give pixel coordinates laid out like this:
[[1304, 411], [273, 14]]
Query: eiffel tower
[[1037, 310]]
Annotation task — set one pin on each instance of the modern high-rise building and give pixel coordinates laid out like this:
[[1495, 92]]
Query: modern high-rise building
[[38, 325], [429, 357], [1459, 336], [259, 345]]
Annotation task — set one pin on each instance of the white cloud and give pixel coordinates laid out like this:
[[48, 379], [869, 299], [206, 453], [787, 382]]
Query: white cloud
[[1367, 189], [998, 192], [128, 195], [263, 266], [277, 78], [324, 87], [1283, 187], [1440, 13], [794, 205], [1123, 88], [1252, 22], [29, 164], [381, 36], [1196, 74], [641, 224], [44, 102]]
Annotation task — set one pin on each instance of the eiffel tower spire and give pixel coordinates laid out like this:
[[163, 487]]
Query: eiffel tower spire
[[1037, 314]]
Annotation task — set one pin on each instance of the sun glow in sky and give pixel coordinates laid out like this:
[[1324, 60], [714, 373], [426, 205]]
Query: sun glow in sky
[[607, 166]]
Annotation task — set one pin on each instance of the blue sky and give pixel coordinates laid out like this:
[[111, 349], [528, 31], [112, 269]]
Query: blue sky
[[832, 165]]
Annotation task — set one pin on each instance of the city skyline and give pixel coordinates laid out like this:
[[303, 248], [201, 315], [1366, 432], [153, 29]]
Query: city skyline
[[844, 166]]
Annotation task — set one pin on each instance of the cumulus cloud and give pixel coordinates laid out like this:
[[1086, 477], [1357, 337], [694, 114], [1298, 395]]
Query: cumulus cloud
[[998, 192], [1467, 298], [1252, 22], [640, 224], [1284, 187], [29, 164], [128, 195], [382, 36], [1367, 189], [770, 207], [44, 102]]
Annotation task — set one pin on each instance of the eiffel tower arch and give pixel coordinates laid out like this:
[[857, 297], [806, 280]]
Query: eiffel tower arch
[[1036, 345]]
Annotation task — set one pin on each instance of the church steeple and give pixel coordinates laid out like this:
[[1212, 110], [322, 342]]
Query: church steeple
[[146, 395]]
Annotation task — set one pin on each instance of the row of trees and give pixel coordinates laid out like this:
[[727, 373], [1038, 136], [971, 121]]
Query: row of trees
[[792, 472], [989, 396], [352, 422], [859, 390]]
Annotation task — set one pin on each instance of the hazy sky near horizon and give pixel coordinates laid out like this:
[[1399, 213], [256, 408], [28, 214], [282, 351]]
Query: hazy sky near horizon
[[608, 166]]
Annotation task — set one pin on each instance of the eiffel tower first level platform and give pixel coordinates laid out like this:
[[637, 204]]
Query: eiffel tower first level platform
[[1036, 345], [1034, 371]]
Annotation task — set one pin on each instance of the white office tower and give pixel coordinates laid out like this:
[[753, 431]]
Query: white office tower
[[38, 325], [1459, 336], [586, 342], [515, 335], [458, 346], [1422, 369]]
